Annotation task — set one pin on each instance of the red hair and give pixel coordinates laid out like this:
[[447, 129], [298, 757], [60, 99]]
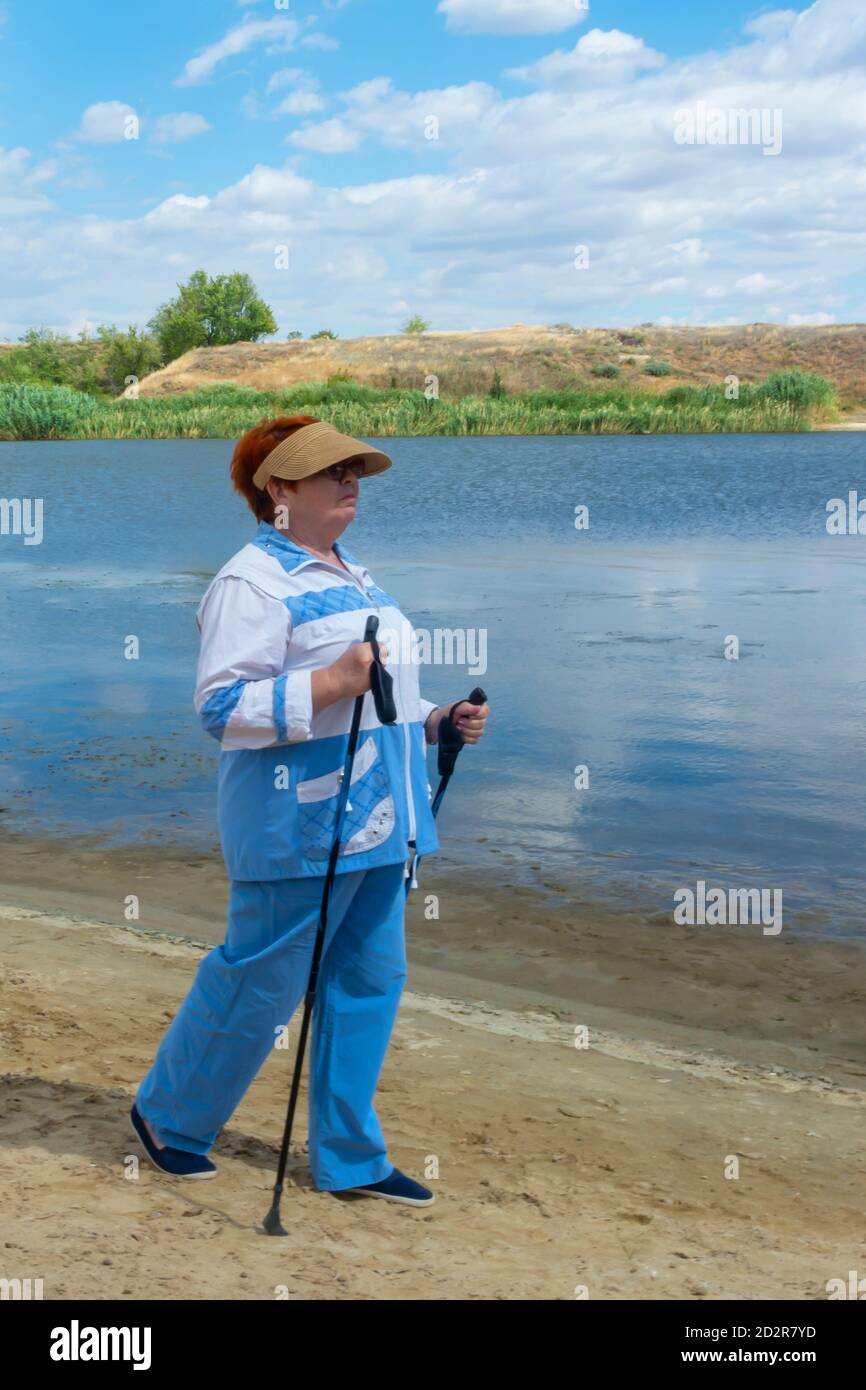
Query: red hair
[[251, 449]]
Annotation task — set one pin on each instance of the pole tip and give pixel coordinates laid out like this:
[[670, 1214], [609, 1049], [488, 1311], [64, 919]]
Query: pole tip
[[272, 1224]]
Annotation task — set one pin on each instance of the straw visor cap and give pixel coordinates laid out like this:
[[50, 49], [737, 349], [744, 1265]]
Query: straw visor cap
[[314, 447]]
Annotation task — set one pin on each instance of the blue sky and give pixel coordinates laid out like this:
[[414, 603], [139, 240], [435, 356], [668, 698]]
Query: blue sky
[[258, 127]]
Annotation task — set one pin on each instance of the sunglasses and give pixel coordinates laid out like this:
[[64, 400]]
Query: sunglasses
[[338, 471]]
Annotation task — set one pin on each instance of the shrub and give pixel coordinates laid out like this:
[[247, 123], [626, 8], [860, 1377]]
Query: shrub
[[56, 359], [497, 389], [15, 366], [682, 395], [127, 354], [658, 369], [44, 412], [804, 389], [607, 369]]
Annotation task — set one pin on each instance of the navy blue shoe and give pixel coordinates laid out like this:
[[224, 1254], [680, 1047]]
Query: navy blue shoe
[[397, 1188], [174, 1163]]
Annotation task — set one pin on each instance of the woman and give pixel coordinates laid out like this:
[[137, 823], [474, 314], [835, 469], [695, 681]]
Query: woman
[[281, 662]]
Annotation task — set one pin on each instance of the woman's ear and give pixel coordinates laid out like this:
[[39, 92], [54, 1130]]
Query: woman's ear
[[281, 492]]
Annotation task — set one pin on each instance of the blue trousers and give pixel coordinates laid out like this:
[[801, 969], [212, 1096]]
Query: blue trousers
[[247, 989]]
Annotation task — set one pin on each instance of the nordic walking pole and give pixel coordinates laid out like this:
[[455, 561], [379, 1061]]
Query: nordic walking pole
[[450, 743], [381, 685]]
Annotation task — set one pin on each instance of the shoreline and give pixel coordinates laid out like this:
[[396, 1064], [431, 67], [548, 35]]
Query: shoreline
[[641, 972], [556, 1165]]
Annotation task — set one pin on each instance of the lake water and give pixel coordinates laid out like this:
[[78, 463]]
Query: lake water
[[605, 649]]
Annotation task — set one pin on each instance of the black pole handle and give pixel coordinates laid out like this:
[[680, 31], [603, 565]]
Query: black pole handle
[[450, 737], [381, 681]]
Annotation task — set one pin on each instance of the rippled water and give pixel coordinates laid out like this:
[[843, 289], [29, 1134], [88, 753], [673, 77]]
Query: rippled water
[[605, 649]]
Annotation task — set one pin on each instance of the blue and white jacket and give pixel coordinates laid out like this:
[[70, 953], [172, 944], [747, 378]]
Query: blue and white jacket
[[272, 615]]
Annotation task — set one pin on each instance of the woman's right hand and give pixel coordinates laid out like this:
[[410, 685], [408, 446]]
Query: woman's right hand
[[346, 677], [351, 671]]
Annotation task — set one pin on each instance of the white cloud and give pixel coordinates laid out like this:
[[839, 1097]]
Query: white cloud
[[512, 16], [690, 251], [306, 96], [301, 103], [284, 77], [177, 213], [107, 123], [811, 44], [482, 229], [756, 284], [19, 195], [811, 319], [266, 190], [326, 137], [279, 33], [401, 120], [322, 41], [599, 56], [773, 25], [177, 126]]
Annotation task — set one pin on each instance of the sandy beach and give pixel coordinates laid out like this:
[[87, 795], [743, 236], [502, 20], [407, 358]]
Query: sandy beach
[[560, 1168]]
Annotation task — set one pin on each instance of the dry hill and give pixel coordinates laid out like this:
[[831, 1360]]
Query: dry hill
[[531, 358]]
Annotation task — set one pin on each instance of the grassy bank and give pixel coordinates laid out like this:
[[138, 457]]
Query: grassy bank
[[785, 401]]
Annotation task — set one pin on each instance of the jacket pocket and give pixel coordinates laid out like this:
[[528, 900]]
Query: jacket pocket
[[369, 817]]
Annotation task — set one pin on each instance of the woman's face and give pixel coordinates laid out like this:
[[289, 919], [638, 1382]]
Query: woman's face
[[320, 501]]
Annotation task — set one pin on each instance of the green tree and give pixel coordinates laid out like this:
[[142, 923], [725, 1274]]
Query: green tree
[[58, 360], [295, 333], [132, 353], [416, 324], [323, 333], [211, 311]]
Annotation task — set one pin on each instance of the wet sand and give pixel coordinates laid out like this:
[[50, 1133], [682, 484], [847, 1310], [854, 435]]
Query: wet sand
[[560, 1168]]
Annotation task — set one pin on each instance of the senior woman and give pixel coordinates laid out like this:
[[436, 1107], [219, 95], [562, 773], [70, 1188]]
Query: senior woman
[[282, 659]]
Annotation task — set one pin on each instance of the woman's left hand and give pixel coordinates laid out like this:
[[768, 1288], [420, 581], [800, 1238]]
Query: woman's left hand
[[470, 720]]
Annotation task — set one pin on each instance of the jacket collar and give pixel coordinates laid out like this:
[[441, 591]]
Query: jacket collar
[[293, 556]]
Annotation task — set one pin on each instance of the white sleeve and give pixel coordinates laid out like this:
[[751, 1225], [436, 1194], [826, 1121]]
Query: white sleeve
[[242, 695], [427, 708]]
